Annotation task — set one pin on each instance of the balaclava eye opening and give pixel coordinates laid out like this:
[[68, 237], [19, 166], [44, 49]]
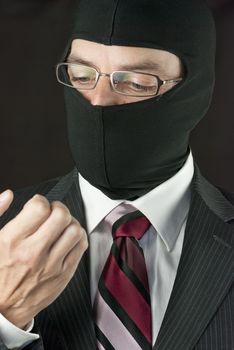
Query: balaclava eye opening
[[127, 150]]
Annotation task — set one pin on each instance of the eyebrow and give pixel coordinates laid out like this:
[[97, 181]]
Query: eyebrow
[[146, 65]]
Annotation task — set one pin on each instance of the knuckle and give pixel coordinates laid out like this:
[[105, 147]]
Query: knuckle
[[71, 262], [40, 206], [77, 230], [73, 230], [61, 213], [84, 243]]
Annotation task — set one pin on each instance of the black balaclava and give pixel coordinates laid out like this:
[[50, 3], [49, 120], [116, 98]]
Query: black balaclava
[[126, 150]]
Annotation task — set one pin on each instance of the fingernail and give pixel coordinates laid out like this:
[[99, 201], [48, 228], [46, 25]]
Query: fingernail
[[3, 196]]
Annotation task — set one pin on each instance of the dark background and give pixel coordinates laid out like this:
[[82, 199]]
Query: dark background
[[33, 143]]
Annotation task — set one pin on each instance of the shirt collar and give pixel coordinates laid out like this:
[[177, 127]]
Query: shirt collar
[[166, 206]]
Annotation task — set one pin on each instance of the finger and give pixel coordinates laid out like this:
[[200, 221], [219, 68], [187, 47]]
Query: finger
[[49, 232], [6, 199], [71, 261], [73, 234], [31, 217]]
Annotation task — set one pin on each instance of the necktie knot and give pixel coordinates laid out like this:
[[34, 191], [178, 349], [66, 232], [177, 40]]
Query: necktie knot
[[134, 224]]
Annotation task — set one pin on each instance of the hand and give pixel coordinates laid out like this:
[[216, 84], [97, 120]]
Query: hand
[[40, 250], [6, 199]]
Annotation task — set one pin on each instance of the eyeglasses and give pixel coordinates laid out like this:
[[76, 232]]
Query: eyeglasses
[[130, 83]]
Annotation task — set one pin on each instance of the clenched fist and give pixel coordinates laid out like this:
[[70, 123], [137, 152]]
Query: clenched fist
[[40, 250]]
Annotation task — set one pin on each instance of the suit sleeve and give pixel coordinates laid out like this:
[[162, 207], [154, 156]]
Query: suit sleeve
[[2, 345], [36, 345]]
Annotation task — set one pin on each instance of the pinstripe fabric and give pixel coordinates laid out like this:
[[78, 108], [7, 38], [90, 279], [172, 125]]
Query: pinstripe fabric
[[204, 277], [215, 336], [200, 314]]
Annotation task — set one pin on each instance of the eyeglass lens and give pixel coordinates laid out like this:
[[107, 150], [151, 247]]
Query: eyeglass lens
[[130, 83]]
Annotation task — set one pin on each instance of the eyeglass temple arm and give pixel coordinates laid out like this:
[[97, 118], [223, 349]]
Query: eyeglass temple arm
[[171, 81]]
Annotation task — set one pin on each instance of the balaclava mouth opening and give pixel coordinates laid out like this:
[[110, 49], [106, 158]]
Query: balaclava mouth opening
[[127, 150]]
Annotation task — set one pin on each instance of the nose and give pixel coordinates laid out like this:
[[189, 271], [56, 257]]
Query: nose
[[103, 95]]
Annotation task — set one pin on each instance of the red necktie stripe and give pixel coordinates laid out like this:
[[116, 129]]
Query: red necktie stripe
[[131, 301], [123, 316], [134, 265]]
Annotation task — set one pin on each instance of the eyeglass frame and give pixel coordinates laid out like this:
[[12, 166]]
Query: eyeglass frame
[[110, 75]]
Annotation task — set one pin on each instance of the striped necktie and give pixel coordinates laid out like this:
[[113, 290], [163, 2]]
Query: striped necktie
[[122, 308]]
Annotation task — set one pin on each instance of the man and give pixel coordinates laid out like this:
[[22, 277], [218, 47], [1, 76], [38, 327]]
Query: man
[[138, 76]]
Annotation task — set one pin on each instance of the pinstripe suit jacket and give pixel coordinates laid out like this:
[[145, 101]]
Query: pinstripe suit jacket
[[200, 314]]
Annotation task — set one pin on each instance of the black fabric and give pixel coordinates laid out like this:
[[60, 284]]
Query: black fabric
[[126, 150]]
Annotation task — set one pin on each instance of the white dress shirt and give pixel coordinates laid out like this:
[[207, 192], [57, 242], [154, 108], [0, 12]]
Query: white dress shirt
[[166, 207]]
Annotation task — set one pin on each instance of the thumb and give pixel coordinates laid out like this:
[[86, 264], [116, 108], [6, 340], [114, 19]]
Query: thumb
[[6, 199]]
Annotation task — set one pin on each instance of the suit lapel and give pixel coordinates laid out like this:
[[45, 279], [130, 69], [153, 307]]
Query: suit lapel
[[72, 311], [205, 271]]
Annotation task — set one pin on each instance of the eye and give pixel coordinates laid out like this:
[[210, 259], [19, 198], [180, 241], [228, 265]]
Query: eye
[[138, 86], [80, 79]]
